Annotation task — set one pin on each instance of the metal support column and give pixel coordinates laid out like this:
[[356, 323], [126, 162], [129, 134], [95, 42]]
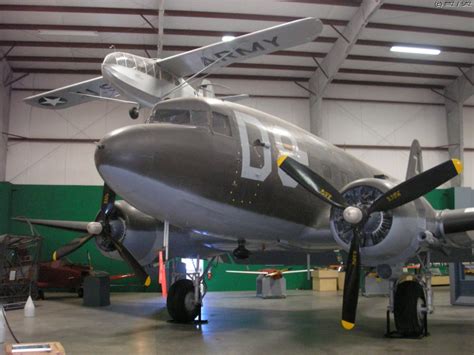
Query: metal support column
[[161, 14], [455, 94], [5, 92], [166, 238], [334, 59]]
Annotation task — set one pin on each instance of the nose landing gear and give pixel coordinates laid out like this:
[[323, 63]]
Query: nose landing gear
[[185, 297]]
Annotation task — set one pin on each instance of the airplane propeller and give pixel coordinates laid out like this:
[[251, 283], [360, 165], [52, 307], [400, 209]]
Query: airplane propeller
[[102, 227], [357, 216]]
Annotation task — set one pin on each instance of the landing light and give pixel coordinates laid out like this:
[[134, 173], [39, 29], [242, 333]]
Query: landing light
[[416, 50], [227, 38]]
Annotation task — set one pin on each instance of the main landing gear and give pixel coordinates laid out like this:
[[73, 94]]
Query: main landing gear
[[410, 302], [185, 297]]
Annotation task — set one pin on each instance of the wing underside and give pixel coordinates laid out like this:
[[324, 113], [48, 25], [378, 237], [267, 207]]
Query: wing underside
[[244, 47], [75, 94]]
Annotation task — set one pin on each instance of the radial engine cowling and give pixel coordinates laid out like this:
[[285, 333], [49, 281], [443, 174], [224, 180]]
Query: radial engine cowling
[[141, 234], [391, 237]]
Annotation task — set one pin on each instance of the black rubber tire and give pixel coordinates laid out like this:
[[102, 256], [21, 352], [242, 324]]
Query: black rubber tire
[[176, 301], [407, 320], [80, 292]]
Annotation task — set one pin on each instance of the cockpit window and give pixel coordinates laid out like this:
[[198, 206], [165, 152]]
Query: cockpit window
[[172, 116], [182, 117], [221, 124]]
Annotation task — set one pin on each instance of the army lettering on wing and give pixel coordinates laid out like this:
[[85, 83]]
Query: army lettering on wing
[[255, 47], [242, 52]]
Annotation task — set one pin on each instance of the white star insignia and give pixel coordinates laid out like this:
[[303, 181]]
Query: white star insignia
[[51, 101]]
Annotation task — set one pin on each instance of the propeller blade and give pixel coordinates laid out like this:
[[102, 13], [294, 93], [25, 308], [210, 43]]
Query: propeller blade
[[351, 283], [417, 186], [108, 201], [76, 226], [72, 246], [311, 181], [139, 271]]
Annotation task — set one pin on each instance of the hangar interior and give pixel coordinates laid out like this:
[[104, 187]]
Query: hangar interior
[[346, 86]]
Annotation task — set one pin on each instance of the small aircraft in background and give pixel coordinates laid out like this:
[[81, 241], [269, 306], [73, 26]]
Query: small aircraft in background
[[63, 274], [144, 82], [273, 273]]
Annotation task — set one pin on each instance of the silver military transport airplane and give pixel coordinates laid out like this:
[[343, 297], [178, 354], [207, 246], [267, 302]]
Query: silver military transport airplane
[[224, 173]]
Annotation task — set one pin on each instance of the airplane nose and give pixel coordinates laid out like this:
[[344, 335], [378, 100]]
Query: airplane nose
[[124, 153]]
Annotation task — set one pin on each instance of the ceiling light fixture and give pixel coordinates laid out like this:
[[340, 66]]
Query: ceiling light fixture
[[227, 38], [68, 33], [415, 50]]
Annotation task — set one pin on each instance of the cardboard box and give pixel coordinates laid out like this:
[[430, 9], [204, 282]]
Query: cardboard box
[[341, 276], [324, 274], [325, 284], [440, 281]]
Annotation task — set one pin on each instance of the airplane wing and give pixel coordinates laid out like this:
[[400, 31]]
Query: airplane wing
[[244, 47], [247, 272], [295, 271], [74, 94]]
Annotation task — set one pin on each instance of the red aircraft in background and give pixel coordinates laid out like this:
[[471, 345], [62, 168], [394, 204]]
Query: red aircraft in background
[[63, 274]]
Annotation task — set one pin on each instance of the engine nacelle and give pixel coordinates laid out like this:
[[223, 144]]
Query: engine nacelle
[[141, 234], [391, 237]]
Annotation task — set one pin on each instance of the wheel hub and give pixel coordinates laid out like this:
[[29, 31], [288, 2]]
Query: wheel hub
[[189, 302]]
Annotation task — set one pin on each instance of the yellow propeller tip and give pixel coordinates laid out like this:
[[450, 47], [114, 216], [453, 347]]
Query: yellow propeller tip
[[347, 325], [457, 165], [281, 159], [54, 256], [148, 281]]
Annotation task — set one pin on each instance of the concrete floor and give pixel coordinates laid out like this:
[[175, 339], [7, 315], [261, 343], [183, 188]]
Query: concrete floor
[[239, 323]]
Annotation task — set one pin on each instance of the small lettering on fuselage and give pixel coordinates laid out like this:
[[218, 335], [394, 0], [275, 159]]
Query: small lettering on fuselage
[[242, 51]]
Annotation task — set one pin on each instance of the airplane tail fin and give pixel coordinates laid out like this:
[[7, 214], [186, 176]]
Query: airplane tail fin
[[415, 161]]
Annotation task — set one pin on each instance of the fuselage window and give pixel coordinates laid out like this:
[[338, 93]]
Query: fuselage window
[[163, 75], [221, 124], [200, 118], [129, 61]]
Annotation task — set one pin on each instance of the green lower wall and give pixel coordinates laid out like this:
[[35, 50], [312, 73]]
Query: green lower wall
[[441, 199], [5, 202], [82, 202]]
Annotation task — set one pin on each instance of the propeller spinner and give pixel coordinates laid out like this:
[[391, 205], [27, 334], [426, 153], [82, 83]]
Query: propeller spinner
[[357, 216]]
